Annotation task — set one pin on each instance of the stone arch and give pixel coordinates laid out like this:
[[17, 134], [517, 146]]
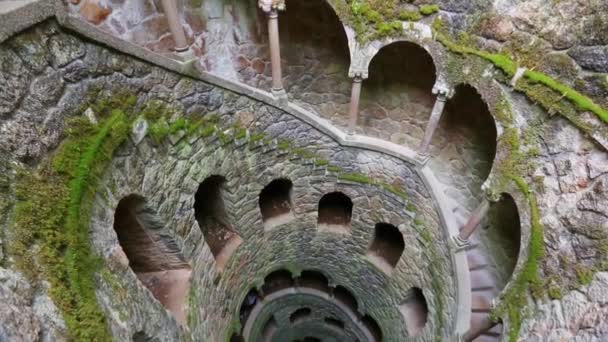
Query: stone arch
[[275, 203], [212, 218], [315, 280], [335, 212], [386, 246], [316, 48], [468, 123], [141, 336], [415, 311], [276, 281], [504, 221], [397, 97], [153, 254]]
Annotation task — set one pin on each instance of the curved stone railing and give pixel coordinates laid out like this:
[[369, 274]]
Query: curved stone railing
[[37, 11]]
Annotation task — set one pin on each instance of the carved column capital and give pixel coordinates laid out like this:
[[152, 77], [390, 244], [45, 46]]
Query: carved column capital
[[443, 92], [270, 6]]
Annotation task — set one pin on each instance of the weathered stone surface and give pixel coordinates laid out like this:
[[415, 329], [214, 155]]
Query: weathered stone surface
[[593, 58]]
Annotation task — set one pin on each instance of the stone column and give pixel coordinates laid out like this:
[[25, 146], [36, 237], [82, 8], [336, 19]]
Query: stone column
[[442, 97], [275, 50], [353, 108], [177, 30], [469, 228]]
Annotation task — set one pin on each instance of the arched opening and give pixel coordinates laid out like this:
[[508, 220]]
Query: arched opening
[[299, 315], [311, 339], [250, 301], [210, 213], [493, 263], [269, 329], [415, 311], [315, 48], [344, 296], [276, 281], [275, 203], [386, 247], [464, 145], [373, 327], [153, 255], [397, 99], [335, 211], [314, 280], [334, 322]]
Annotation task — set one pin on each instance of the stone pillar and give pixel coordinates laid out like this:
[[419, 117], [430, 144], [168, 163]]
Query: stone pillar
[[353, 108], [275, 51], [442, 97], [177, 30], [469, 228]]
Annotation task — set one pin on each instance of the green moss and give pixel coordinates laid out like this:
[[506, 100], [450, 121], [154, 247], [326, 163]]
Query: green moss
[[555, 292], [284, 145], [256, 137], [321, 162], [398, 191], [409, 15], [429, 9], [333, 168], [583, 274], [303, 153], [241, 133], [509, 67], [52, 213], [355, 177]]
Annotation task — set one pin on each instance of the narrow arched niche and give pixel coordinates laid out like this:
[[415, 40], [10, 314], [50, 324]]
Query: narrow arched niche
[[275, 203], [299, 315], [335, 212], [276, 281], [397, 98], [153, 255], [345, 297], [386, 247], [315, 280], [370, 323], [504, 233], [415, 311], [210, 213]]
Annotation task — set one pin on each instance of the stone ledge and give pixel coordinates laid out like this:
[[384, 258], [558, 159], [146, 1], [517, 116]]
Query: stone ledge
[[17, 15]]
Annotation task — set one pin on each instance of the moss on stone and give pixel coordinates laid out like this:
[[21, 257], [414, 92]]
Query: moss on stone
[[52, 213], [429, 9], [355, 177], [584, 274]]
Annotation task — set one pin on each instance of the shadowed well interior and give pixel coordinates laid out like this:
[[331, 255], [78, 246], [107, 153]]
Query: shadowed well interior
[[335, 209], [275, 200], [142, 337], [345, 297], [269, 329], [153, 254], [387, 244], [210, 213], [415, 311]]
